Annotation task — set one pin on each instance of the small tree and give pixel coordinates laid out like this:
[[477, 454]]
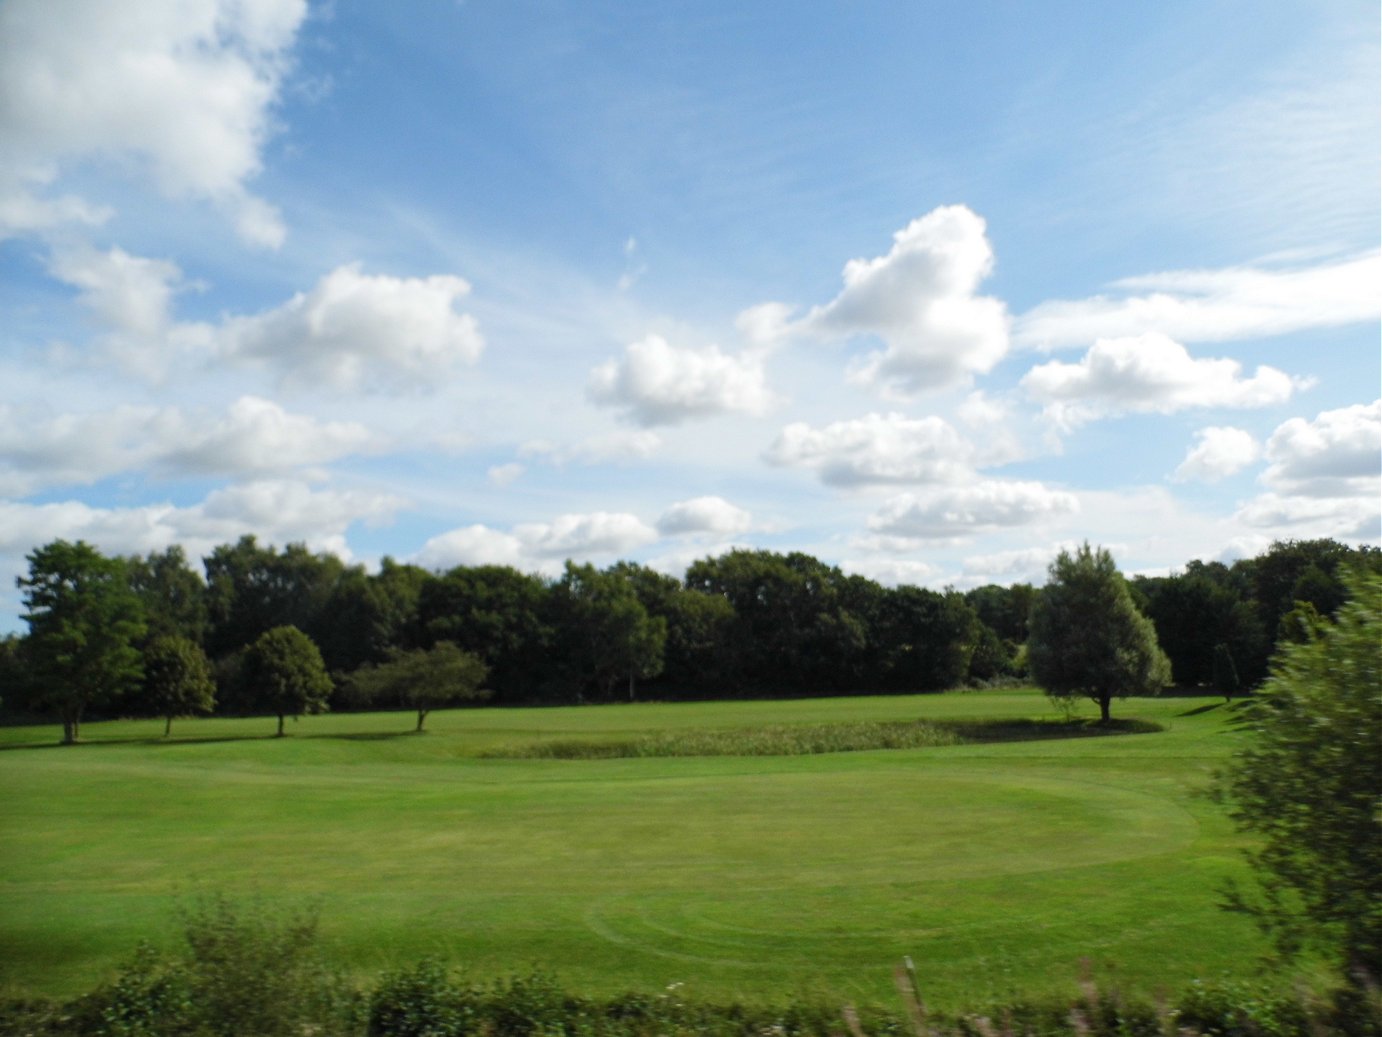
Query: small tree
[[83, 622], [1087, 638], [1309, 786], [177, 679], [285, 671], [421, 680]]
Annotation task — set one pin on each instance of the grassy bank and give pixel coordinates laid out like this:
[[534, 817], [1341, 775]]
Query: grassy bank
[[998, 865]]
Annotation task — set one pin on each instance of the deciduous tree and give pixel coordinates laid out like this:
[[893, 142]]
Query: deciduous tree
[[177, 679], [423, 679], [1087, 638], [284, 671], [1309, 787], [83, 621]]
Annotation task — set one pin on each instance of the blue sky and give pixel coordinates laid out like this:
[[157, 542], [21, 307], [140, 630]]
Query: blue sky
[[926, 290]]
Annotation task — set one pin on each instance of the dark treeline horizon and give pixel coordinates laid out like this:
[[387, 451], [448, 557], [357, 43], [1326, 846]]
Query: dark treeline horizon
[[748, 623]]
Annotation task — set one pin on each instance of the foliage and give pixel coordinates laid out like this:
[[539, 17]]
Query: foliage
[[83, 621], [285, 671], [174, 597], [609, 635], [177, 679], [423, 679], [1087, 637], [1308, 785]]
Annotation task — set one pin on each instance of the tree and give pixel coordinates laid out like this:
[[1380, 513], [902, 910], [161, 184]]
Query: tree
[[609, 636], [423, 679], [177, 679], [174, 596], [284, 669], [1087, 637], [1309, 787], [83, 621], [1225, 672]]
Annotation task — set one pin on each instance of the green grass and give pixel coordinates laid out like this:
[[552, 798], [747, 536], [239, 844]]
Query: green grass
[[996, 865]]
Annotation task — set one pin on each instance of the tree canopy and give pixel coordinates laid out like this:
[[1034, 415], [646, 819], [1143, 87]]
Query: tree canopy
[[1308, 785], [284, 670], [177, 679], [83, 621], [1087, 638], [422, 679]]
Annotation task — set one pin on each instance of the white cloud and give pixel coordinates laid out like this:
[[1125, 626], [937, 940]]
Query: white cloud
[[920, 300], [183, 88], [876, 449], [1218, 453], [472, 545], [254, 437], [892, 572], [714, 516], [1339, 454], [356, 330], [503, 474], [576, 536], [1214, 305], [962, 511], [656, 383], [1148, 374], [275, 510], [1345, 518], [617, 446], [128, 294]]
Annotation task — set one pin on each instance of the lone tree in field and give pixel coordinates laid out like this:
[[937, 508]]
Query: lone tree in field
[[421, 680], [83, 622], [177, 679], [285, 673], [1087, 638], [1308, 785]]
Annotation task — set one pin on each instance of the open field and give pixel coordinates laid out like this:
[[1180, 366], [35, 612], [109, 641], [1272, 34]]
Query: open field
[[996, 867]]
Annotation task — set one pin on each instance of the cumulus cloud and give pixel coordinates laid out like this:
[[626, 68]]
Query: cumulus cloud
[[253, 437], [1339, 454], [1214, 305], [1148, 374], [702, 516], [962, 511], [181, 91], [656, 383], [275, 510], [892, 572], [1345, 518], [471, 545], [1218, 453], [617, 446], [920, 299], [876, 449], [571, 536], [356, 330], [537, 545]]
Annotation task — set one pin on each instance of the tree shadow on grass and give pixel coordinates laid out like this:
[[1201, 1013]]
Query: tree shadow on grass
[[1200, 709], [159, 742], [1028, 730]]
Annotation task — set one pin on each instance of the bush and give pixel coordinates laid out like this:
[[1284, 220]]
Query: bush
[[421, 1002]]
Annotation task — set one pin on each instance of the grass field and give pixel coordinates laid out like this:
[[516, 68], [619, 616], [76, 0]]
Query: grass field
[[997, 867]]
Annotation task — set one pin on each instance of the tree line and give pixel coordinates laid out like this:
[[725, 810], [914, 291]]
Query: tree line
[[286, 631]]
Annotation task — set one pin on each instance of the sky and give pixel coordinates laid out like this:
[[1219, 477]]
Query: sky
[[928, 291]]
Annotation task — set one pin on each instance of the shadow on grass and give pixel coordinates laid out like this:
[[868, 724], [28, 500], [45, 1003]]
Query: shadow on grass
[[1200, 709], [1003, 730]]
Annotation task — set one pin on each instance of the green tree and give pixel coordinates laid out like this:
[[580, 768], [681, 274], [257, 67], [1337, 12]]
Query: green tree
[[174, 596], [1087, 638], [1309, 787], [423, 679], [285, 672], [84, 621], [177, 679], [609, 636]]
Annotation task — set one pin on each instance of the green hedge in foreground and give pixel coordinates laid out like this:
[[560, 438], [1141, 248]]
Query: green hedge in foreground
[[243, 973]]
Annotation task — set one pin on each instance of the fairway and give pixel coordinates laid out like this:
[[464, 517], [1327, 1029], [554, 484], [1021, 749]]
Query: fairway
[[996, 867]]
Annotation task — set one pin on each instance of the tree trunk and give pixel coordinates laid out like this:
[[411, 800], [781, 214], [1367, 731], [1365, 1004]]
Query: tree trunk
[[1104, 700], [280, 725], [421, 716], [168, 727], [69, 731], [631, 686]]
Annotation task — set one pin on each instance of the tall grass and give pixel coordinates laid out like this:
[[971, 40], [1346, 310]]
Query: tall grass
[[810, 739]]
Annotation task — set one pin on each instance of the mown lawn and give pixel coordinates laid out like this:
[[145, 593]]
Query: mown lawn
[[997, 867]]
